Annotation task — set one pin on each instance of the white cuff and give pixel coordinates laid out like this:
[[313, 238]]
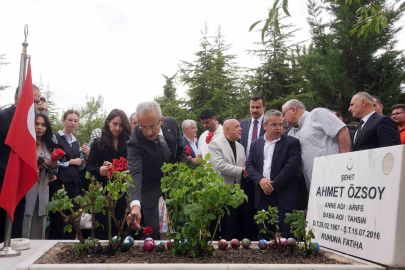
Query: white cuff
[[135, 202]]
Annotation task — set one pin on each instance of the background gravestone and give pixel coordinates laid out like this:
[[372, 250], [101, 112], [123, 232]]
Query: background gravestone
[[357, 204]]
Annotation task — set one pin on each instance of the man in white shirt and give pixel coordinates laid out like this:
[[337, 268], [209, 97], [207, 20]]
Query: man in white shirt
[[213, 131], [272, 165], [252, 128], [189, 139]]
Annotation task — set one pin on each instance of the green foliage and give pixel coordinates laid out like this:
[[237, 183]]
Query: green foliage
[[270, 216], [371, 15], [214, 80], [299, 227], [279, 75], [96, 199], [196, 199], [337, 65], [170, 105]]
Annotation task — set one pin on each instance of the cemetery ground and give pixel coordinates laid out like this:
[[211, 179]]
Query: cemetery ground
[[65, 253]]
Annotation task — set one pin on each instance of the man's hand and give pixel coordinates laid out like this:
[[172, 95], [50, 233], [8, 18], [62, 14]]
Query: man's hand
[[189, 158], [265, 184], [51, 180], [136, 225], [76, 162], [245, 174]]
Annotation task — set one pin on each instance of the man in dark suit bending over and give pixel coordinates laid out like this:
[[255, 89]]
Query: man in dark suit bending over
[[375, 130], [272, 165], [154, 141]]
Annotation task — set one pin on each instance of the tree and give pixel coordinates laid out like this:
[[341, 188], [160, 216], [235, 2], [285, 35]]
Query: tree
[[338, 65], [213, 79], [279, 75], [170, 105], [92, 116], [370, 15]]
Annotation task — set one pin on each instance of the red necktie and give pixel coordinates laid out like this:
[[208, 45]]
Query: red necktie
[[254, 133]]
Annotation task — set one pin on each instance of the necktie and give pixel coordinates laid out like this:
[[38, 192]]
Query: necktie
[[254, 132], [165, 150], [358, 132]]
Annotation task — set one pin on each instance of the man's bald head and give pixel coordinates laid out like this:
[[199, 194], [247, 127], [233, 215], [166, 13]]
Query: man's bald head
[[232, 129]]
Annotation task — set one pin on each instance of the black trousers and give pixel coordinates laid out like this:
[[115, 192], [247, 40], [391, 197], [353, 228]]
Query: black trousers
[[18, 221], [151, 219], [57, 221], [271, 200], [230, 224], [248, 226]]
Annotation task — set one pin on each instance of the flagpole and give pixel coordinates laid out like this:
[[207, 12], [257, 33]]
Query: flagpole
[[7, 251]]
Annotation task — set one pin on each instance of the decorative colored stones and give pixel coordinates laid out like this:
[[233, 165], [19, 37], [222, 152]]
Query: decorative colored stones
[[130, 240], [263, 244], [126, 245], [114, 240], [284, 242], [272, 245], [160, 246], [246, 243], [222, 244], [235, 243], [149, 239], [170, 244], [314, 245], [292, 242], [149, 245]]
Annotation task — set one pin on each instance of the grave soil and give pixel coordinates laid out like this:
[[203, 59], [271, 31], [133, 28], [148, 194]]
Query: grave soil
[[65, 253]]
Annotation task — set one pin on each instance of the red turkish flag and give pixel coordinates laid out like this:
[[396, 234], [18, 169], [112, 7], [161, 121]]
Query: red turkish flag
[[22, 170]]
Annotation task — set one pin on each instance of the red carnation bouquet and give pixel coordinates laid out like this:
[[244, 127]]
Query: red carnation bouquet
[[208, 139], [119, 165]]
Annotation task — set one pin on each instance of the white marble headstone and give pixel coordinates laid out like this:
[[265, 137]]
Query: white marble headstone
[[357, 204]]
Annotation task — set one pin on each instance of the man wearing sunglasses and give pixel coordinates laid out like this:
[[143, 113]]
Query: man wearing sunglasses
[[6, 116], [154, 141]]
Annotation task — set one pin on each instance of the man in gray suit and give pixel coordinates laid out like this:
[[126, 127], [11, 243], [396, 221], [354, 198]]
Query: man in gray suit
[[154, 141], [228, 158]]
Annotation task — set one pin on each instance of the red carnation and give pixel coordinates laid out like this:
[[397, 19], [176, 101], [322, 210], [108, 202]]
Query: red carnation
[[148, 231], [188, 150], [208, 139]]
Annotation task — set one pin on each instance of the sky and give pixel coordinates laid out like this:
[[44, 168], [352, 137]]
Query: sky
[[120, 49]]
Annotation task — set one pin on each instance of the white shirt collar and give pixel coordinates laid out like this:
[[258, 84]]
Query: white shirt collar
[[365, 118], [260, 119], [219, 129], [194, 139], [160, 132], [64, 135], [267, 141]]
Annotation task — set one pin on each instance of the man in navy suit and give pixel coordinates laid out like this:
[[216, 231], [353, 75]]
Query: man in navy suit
[[252, 128], [375, 130], [190, 139], [272, 165]]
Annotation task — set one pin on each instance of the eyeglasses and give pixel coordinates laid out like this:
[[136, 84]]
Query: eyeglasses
[[38, 102], [396, 114], [152, 127], [276, 125], [284, 113]]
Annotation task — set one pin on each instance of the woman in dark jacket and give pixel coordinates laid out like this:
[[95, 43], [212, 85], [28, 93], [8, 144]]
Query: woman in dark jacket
[[111, 145]]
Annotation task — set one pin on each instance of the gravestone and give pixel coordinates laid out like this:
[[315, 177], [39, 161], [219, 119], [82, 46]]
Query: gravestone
[[357, 204]]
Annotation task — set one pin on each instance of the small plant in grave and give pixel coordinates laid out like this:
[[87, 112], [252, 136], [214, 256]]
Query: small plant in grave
[[271, 216], [299, 227], [96, 199], [196, 199]]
